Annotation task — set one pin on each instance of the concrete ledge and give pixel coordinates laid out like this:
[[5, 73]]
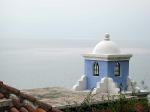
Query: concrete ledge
[[61, 97]]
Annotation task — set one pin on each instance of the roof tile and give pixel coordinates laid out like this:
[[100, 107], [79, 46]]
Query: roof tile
[[13, 109], [11, 89], [18, 105], [40, 110], [28, 97], [29, 108], [1, 96], [22, 109]]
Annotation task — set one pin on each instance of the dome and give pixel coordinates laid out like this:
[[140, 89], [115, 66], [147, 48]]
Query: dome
[[106, 46]]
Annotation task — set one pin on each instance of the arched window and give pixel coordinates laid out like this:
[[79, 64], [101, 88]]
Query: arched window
[[95, 69], [117, 69]]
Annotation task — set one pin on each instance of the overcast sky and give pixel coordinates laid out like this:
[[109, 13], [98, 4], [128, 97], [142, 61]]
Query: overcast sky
[[123, 19]]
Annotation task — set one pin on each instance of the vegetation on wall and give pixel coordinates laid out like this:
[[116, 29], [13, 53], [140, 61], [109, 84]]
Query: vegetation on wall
[[111, 103]]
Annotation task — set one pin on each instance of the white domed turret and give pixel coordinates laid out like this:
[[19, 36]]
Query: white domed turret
[[108, 62], [106, 46]]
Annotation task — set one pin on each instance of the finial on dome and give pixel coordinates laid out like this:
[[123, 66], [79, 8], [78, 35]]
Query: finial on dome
[[107, 36]]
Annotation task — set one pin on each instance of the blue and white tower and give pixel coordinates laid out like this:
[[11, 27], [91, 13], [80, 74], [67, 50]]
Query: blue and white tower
[[105, 61]]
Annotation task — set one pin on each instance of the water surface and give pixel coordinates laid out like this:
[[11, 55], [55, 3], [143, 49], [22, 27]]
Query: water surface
[[35, 63]]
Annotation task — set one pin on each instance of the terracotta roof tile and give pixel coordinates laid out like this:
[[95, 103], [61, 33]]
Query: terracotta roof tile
[[40, 110], [18, 105], [23, 109], [10, 89], [1, 83], [1, 96], [55, 110], [13, 109], [29, 108], [43, 105], [28, 97]]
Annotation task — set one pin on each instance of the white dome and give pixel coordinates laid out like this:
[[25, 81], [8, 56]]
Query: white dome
[[106, 46]]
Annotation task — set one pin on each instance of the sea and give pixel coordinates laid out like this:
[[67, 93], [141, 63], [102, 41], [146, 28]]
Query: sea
[[27, 63]]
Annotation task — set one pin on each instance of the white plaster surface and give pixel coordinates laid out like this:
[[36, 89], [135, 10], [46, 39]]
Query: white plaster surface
[[81, 84], [130, 83], [106, 46], [132, 86], [106, 85]]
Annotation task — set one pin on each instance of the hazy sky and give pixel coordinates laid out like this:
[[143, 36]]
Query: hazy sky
[[124, 19]]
